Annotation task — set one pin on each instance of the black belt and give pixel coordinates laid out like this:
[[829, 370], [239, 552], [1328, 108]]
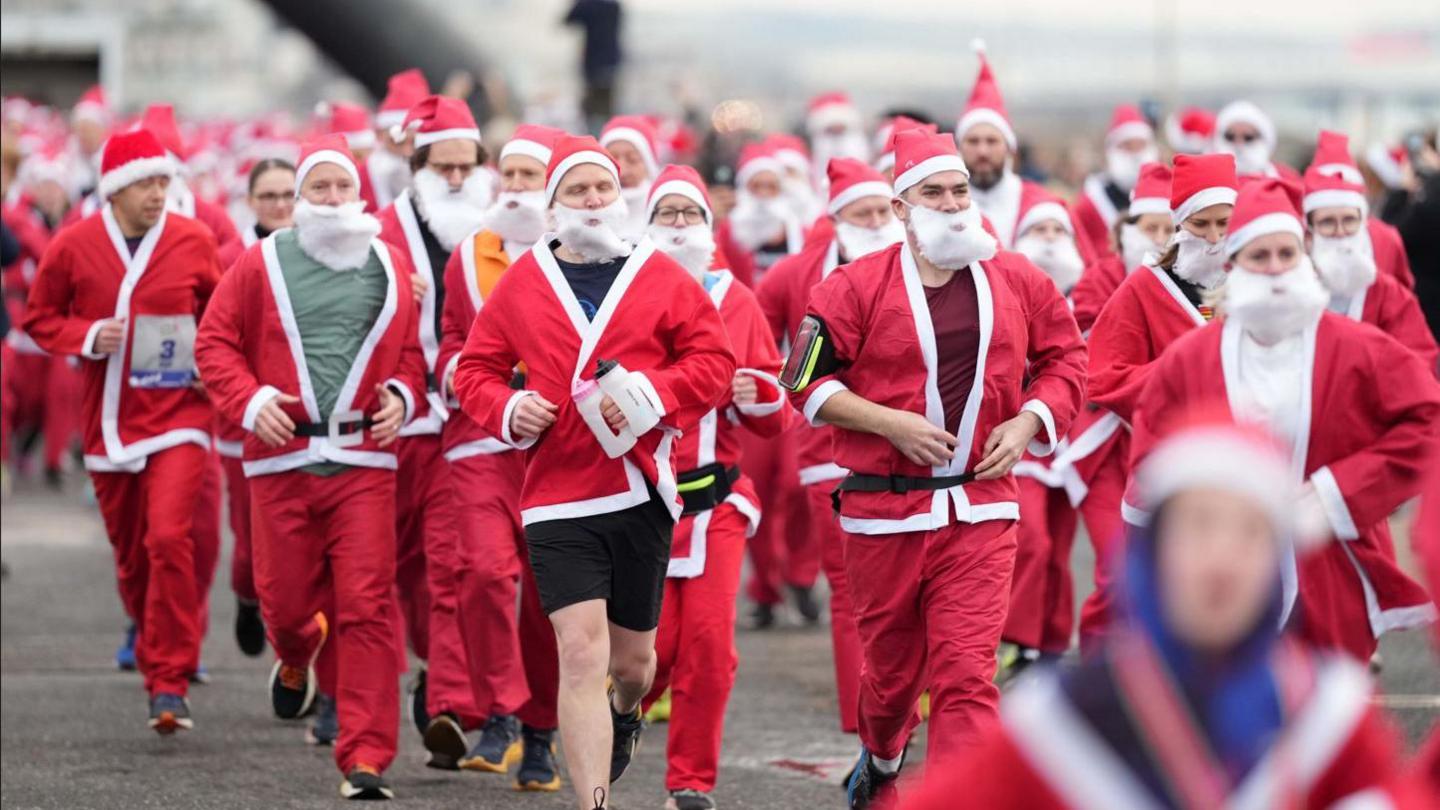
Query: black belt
[[705, 488], [322, 429], [898, 484]]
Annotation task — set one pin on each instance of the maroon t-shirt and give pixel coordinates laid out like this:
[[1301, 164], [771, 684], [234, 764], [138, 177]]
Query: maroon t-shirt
[[955, 314]]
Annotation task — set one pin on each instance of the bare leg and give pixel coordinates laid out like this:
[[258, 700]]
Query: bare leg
[[632, 664], [585, 730]]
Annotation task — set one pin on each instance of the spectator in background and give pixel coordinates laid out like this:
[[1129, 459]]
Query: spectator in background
[[600, 56], [1414, 212]]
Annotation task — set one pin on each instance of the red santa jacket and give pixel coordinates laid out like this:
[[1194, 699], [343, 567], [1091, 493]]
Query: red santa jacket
[[400, 226], [1392, 308], [1147, 313], [716, 440], [1045, 755], [87, 276], [470, 276], [249, 350], [784, 294], [1097, 283], [1389, 249], [879, 322], [227, 238], [34, 238], [656, 321], [1368, 423], [1095, 216]]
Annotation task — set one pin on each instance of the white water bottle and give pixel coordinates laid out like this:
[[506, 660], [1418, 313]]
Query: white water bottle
[[625, 389], [587, 395]]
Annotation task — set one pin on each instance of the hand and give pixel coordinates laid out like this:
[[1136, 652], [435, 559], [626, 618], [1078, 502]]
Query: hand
[[419, 286], [1006, 444], [272, 424], [386, 422], [614, 417], [110, 337], [743, 390], [920, 441], [532, 416]]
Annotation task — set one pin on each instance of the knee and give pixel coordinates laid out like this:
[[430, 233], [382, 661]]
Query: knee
[[581, 656], [633, 666]]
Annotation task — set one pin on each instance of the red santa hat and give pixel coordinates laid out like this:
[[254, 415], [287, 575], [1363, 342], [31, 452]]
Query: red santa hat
[[899, 123], [1244, 112], [985, 106], [852, 179], [1151, 194], [440, 118], [1201, 181], [130, 157], [49, 163], [350, 121], [1265, 205], [326, 149], [757, 158], [639, 133], [92, 107], [1333, 179], [682, 180], [533, 141], [160, 120], [1038, 205], [831, 109], [404, 90], [919, 154], [571, 151], [790, 150], [1126, 123], [1388, 163], [1191, 130]]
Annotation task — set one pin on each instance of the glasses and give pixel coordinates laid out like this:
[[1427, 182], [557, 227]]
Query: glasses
[[274, 198], [669, 216], [1246, 138], [447, 169], [1338, 226]]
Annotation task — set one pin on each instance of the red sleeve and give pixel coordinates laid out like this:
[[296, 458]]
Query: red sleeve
[[703, 363], [455, 318], [1159, 400], [227, 240], [48, 317], [1084, 243], [482, 374], [742, 264], [1120, 359], [220, 353], [1369, 760], [1094, 289], [1057, 356], [773, 296], [412, 370], [1389, 251], [1400, 317], [755, 349]]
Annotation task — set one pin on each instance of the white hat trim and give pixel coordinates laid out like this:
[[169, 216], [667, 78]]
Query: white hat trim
[[757, 165], [1040, 212], [386, 119], [133, 172], [885, 162], [1148, 205], [1128, 130], [1344, 171], [1335, 197], [1249, 113], [925, 168], [528, 148], [636, 139], [683, 188], [985, 115], [360, 139], [865, 188], [1264, 225], [1217, 458], [575, 159], [325, 156], [835, 112], [1202, 199], [458, 134]]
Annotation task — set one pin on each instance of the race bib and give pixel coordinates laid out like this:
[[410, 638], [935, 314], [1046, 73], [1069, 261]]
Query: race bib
[[162, 351]]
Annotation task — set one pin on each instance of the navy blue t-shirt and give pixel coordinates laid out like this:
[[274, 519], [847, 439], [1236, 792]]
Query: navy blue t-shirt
[[590, 282]]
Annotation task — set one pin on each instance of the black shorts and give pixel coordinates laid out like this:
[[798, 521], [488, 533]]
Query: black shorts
[[620, 557]]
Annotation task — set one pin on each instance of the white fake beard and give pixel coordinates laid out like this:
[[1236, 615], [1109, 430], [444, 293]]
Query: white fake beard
[[1136, 248], [517, 216], [951, 241], [1057, 257], [451, 214], [848, 144], [635, 199], [693, 246], [389, 171], [755, 222], [594, 235], [1198, 261], [1346, 264], [1123, 168], [1250, 158], [337, 236], [801, 197], [857, 241], [1272, 308]]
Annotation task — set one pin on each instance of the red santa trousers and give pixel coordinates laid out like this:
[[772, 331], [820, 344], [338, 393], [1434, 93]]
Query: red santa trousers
[[7, 398], [45, 391], [237, 491], [329, 541], [206, 530], [149, 518], [1101, 513], [930, 604], [1042, 593], [424, 506], [844, 638], [783, 551], [695, 652]]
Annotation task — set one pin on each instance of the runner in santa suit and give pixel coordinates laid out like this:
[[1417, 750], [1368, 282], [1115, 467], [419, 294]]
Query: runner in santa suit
[[123, 290], [1156, 303], [836, 129], [311, 344], [796, 183], [633, 142], [511, 667], [916, 354], [989, 146], [885, 164], [352, 122], [387, 169], [1357, 411], [1194, 701], [1142, 228], [695, 643], [1340, 245], [1105, 195], [160, 120], [763, 227], [599, 499], [445, 202], [1425, 538], [863, 224]]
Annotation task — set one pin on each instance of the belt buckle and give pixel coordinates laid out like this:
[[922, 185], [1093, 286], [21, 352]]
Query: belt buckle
[[348, 439]]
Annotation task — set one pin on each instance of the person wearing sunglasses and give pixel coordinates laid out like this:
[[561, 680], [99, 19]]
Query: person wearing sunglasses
[[1244, 130]]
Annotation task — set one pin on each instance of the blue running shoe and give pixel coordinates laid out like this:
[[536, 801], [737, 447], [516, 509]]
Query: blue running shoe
[[125, 656], [169, 713]]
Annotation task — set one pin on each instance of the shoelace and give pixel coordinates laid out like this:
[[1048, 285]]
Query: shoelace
[[599, 798]]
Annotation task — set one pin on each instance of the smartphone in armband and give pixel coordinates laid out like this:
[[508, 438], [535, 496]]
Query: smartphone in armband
[[812, 355]]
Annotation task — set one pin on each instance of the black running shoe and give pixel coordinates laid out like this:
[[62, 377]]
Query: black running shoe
[[498, 748], [169, 713], [445, 740], [869, 784], [762, 617], [326, 726], [538, 770], [249, 628], [689, 800], [627, 729], [805, 603], [419, 715], [365, 784], [292, 689]]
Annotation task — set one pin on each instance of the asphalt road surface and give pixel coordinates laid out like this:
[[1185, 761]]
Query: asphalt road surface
[[73, 735]]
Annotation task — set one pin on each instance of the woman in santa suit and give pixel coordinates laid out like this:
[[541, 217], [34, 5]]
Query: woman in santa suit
[[1195, 701]]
